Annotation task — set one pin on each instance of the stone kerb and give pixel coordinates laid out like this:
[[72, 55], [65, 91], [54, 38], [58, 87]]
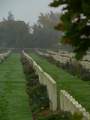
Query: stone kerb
[[68, 103]]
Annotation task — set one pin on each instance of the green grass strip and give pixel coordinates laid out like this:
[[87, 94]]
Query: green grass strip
[[79, 89], [14, 104]]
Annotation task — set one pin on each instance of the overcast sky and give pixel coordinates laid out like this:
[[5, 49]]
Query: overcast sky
[[27, 10]]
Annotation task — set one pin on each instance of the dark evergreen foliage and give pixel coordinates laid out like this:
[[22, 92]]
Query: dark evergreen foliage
[[75, 22]]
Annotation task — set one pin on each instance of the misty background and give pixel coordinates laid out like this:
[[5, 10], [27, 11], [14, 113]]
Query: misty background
[[27, 10], [29, 24]]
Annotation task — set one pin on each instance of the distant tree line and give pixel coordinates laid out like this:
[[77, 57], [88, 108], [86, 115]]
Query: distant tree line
[[44, 34], [18, 34], [13, 34]]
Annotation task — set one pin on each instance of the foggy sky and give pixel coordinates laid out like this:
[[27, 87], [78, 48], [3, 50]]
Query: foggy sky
[[27, 10]]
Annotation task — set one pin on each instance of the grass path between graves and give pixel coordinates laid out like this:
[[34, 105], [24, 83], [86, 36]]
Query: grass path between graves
[[14, 103], [79, 89]]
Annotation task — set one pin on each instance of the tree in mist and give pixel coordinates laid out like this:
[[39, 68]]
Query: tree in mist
[[14, 33], [44, 35], [10, 16], [17, 34]]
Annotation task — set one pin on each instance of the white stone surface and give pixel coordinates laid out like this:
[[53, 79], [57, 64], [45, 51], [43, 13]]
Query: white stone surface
[[68, 103], [46, 80]]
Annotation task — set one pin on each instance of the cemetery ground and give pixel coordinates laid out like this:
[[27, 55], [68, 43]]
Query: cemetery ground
[[79, 89], [13, 97], [14, 100], [21, 93]]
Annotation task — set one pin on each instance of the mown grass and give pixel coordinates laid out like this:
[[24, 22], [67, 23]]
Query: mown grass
[[79, 89], [14, 103]]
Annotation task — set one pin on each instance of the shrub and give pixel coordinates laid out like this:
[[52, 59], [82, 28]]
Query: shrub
[[62, 116], [38, 96], [57, 116], [77, 116]]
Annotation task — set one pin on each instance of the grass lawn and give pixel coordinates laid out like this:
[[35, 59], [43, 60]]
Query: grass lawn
[[79, 89], [14, 103]]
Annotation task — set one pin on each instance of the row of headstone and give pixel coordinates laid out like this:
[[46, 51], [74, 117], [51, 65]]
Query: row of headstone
[[46, 80], [66, 101]]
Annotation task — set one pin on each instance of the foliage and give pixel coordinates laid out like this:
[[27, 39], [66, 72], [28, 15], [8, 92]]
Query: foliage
[[44, 35], [14, 34], [18, 34], [75, 22], [10, 16], [37, 93], [77, 116], [62, 116], [39, 98]]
